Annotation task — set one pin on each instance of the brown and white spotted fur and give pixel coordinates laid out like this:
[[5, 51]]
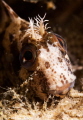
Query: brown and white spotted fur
[[32, 58]]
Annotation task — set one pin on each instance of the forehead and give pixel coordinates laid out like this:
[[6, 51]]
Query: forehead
[[46, 38]]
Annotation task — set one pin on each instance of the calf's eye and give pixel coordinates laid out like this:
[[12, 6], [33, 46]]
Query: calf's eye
[[27, 55]]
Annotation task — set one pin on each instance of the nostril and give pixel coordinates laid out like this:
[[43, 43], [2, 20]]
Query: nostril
[[47, 65]]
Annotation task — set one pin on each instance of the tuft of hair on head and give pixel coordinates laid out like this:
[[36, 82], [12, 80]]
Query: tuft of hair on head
[[40, 24], [37, 29]]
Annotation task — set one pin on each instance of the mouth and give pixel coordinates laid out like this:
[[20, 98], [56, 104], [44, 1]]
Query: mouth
[[62, 90]]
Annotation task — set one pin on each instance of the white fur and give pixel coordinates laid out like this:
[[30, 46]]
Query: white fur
[[60, 68]]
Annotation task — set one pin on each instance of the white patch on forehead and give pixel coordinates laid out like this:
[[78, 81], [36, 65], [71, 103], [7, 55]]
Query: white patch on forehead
[[57, 72]]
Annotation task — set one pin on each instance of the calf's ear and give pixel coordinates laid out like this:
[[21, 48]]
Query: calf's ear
[[7, 15]]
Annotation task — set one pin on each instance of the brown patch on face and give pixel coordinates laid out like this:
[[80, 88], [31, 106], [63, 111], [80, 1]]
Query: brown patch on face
[[60, 60], [50, 37], [39, 84], [64, 77], [60, 76], [44, 45], [67, 81], [47, 50], [55, 72], [62, 81], [47, 65], [67, 60], [54, 45]]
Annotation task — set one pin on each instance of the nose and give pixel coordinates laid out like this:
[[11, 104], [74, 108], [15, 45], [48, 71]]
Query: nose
[[62, 90]]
